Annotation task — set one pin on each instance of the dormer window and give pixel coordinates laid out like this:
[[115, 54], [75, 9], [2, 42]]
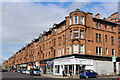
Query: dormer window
[[75, 19], [98, 25], [82, 22]]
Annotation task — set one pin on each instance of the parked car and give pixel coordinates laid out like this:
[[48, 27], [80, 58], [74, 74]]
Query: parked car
[[18, 70], [27, 71], [4, 70], [15, 70], [88, 73], [23, 71], [34, 71]]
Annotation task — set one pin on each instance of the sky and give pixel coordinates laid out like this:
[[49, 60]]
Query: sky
[[23, 21]]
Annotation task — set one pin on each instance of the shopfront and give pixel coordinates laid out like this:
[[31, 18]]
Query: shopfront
[[42, 67], [71, 64], [23, 66], [49, 67]]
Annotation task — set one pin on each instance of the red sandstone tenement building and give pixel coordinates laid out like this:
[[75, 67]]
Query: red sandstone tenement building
[[81, 41]]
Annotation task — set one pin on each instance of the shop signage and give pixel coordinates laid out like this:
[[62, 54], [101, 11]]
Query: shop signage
[[66, 61], [49, 64], [42, 64], [23, 65], [113, 58]]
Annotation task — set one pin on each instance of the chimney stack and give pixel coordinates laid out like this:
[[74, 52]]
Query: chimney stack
[[97, 16]]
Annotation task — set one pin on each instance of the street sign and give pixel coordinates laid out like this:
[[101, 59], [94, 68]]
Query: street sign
[[113, 58]]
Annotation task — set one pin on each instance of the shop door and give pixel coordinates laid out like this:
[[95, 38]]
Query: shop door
[[71, 67], [78, 69]]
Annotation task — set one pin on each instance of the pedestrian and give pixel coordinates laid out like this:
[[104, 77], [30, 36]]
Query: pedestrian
[[70, 72], [63, 72]]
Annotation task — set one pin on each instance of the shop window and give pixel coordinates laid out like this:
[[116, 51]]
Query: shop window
[[81, 49], [57, 69], [82, 34], [82, 20], [75, 48], [75, 19], [75, 33], [113, 52]]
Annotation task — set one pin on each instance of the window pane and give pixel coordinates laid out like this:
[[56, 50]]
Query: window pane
[[70, 50], [97, 37], [75, 33], [100, 51], [112, 40], [106, 38], [70, 21], [75, 48], [75, 19], [106, 51], [81, 49], [82, 20], [98, 25], [82, 34], [113, 52], [96, 50]]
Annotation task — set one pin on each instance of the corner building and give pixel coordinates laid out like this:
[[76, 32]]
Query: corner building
[[81, 41]]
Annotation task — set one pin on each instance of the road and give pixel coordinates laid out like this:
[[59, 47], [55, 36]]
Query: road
[[20, 76]]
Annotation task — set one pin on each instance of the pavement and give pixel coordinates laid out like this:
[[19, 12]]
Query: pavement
[[75, 77]]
